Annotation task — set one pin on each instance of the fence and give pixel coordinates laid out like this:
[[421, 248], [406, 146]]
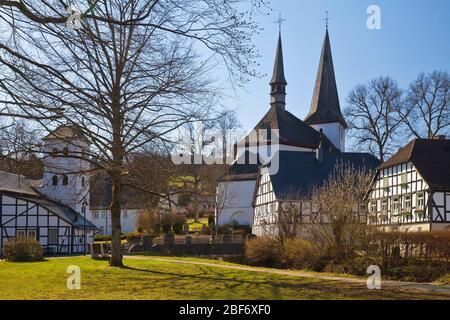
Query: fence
[[192, 246]]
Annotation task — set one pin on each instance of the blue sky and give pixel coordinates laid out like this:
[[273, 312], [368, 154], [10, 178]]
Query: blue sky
[[414, 38]]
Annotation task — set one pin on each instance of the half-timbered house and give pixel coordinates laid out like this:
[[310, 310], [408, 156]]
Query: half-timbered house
[[287, 194], [411, 190], [24, 212]]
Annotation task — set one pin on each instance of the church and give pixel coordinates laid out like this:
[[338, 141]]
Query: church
[[304, 153]]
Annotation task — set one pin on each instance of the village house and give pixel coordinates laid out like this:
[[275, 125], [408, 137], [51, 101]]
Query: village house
[[411, 190]]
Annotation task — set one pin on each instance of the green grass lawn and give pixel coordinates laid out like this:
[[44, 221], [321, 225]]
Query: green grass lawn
[[154, 279]]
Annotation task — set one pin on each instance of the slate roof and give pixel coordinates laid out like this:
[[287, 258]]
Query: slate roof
[[11, 182], [243, 169], [292, 130], [300, 172], [278, 68], [430, 157], [325, 107]]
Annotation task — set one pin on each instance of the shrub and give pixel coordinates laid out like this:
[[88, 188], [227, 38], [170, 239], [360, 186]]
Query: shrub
[[102, 238], [300, 254], [178, 227], [263, 252], [23, 250], [134, 236]]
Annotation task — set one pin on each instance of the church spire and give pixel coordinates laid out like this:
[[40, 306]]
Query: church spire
[[325, 107], [278, 82]]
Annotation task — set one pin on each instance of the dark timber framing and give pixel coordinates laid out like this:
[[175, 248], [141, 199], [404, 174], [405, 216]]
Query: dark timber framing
[[28, 215]]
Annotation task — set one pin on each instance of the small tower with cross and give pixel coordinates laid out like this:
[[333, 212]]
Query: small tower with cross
[[278, 82]]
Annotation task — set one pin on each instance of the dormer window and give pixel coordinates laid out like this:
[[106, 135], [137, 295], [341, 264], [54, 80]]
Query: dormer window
[[66, 151], [55, 180]]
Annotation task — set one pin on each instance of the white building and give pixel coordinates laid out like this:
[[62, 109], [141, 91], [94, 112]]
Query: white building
[[283, 132], [411, 191], [101, 217]]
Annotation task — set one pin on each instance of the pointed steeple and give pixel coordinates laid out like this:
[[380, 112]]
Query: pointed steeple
[[325, 107], [278, 82]]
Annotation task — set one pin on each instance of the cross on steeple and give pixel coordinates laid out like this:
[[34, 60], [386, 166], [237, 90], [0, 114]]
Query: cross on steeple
[[280, 21], [327, 19]]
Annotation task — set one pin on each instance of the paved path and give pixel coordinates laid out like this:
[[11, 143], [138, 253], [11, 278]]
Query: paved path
[[429, 287]]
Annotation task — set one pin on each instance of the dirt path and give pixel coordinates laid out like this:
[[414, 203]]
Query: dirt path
[[429, 287]]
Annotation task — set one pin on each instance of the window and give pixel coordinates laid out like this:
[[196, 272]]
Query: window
[[66, 151], [420, 201], [395, 206], [373, 206], [53, 236], [125, 214], [65, 180], [20, 233], [102, 230], [83, 181], [31, 234], [407, 204], [385, 182], [384, 206], [54, 152], [55, 180], [96, 215]]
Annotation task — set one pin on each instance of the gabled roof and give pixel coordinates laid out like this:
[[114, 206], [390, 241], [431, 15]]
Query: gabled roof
[[11, 182], [300, 172], [292, 130], [67, 133], [430, 157], [325, 107]]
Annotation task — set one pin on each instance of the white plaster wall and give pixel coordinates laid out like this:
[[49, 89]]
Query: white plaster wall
[[101, 218], [335, 132], [235, 202], [74, 194]]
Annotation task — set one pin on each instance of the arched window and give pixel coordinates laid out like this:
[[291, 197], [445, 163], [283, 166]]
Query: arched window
[[65, 180], [54, 152], [55, 180], [83, 181], [65, 151]]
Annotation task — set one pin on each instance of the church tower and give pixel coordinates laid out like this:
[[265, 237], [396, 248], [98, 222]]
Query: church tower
[[325, 112], [278, 83], [66, 174]]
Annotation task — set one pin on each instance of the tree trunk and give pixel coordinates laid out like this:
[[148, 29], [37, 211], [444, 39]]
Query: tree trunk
[[116, 246]]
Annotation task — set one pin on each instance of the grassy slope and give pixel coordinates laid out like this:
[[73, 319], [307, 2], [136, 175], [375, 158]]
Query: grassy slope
[[150, 279]]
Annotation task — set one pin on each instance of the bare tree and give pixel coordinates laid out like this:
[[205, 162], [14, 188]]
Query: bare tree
[[426, 110], [127, 79], [372, 114], [342, 212], [18, 145]]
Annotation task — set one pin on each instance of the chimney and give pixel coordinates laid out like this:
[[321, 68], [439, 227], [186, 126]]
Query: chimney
[[440, 137], [320, 150]]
